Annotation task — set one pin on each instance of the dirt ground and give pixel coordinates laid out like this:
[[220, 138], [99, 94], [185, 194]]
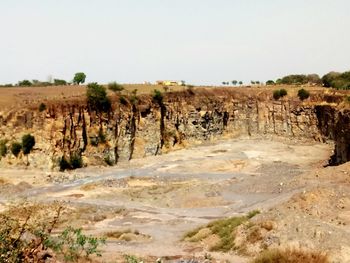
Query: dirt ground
[[146, 206], [28, 96]]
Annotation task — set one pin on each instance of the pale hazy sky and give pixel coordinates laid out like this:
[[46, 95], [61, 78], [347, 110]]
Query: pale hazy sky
[[200, 41]]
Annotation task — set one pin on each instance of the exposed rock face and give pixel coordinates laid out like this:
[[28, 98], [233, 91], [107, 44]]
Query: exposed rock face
[[149, 128], [335, 125]]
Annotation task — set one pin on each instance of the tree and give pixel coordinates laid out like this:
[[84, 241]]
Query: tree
[[97, 98], [279, 81], [234, 82], [59, 82], [252, 82], [28, 142], [337, 80], [115, 87], [79, 78], [240, 83], [24, 83], [270, 82]]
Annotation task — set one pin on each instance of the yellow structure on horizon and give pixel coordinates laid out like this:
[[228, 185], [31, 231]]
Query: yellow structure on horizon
[[171, 83]]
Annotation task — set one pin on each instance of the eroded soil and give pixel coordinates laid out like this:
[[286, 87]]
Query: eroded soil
[[146, 206]]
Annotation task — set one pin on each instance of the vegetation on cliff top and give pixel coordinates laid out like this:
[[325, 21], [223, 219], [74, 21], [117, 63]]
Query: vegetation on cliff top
[[97, 99]]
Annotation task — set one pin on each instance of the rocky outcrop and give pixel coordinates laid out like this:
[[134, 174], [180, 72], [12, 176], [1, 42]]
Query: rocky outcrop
[[335, 125], [150, 128]]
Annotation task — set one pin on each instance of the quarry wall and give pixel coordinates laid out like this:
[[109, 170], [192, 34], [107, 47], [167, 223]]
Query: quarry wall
[[144, 128]]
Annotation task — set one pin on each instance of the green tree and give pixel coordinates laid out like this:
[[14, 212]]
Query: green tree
[[337, 80], [234, 82], [60, 82], [97, 98], [240, 83], [28, 142], [270, 82], [24, 83], [79, 78]]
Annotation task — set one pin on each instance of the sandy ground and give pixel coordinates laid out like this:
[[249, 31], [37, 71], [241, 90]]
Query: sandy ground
[[154, 201]]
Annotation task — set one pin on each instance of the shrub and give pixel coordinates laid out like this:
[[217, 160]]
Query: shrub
[[134, 99], [28, 142], [26, 236], [64, 164], [290, 256], [157, 97], [270, 82], [276, 94], [42, 107], [303, 94], [224, 228], [79, 78], [97, 98], [283, 92], [16, 148], [73, 244], [115, 87], [132, 259], [3, 148], [108, 160], [76, 161], [123, 100]]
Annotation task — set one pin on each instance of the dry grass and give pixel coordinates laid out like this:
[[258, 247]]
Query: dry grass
[[33, 96], [126, 235], [291, 256], [223, 228]]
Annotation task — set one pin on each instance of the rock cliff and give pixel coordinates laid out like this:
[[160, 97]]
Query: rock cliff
[[146, 127]]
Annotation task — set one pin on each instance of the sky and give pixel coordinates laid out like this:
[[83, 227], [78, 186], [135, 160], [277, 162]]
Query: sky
[[199, 41]]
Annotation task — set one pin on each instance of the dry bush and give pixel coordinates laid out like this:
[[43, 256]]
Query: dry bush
[[291, 256], [27, 235], [224, 229]]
